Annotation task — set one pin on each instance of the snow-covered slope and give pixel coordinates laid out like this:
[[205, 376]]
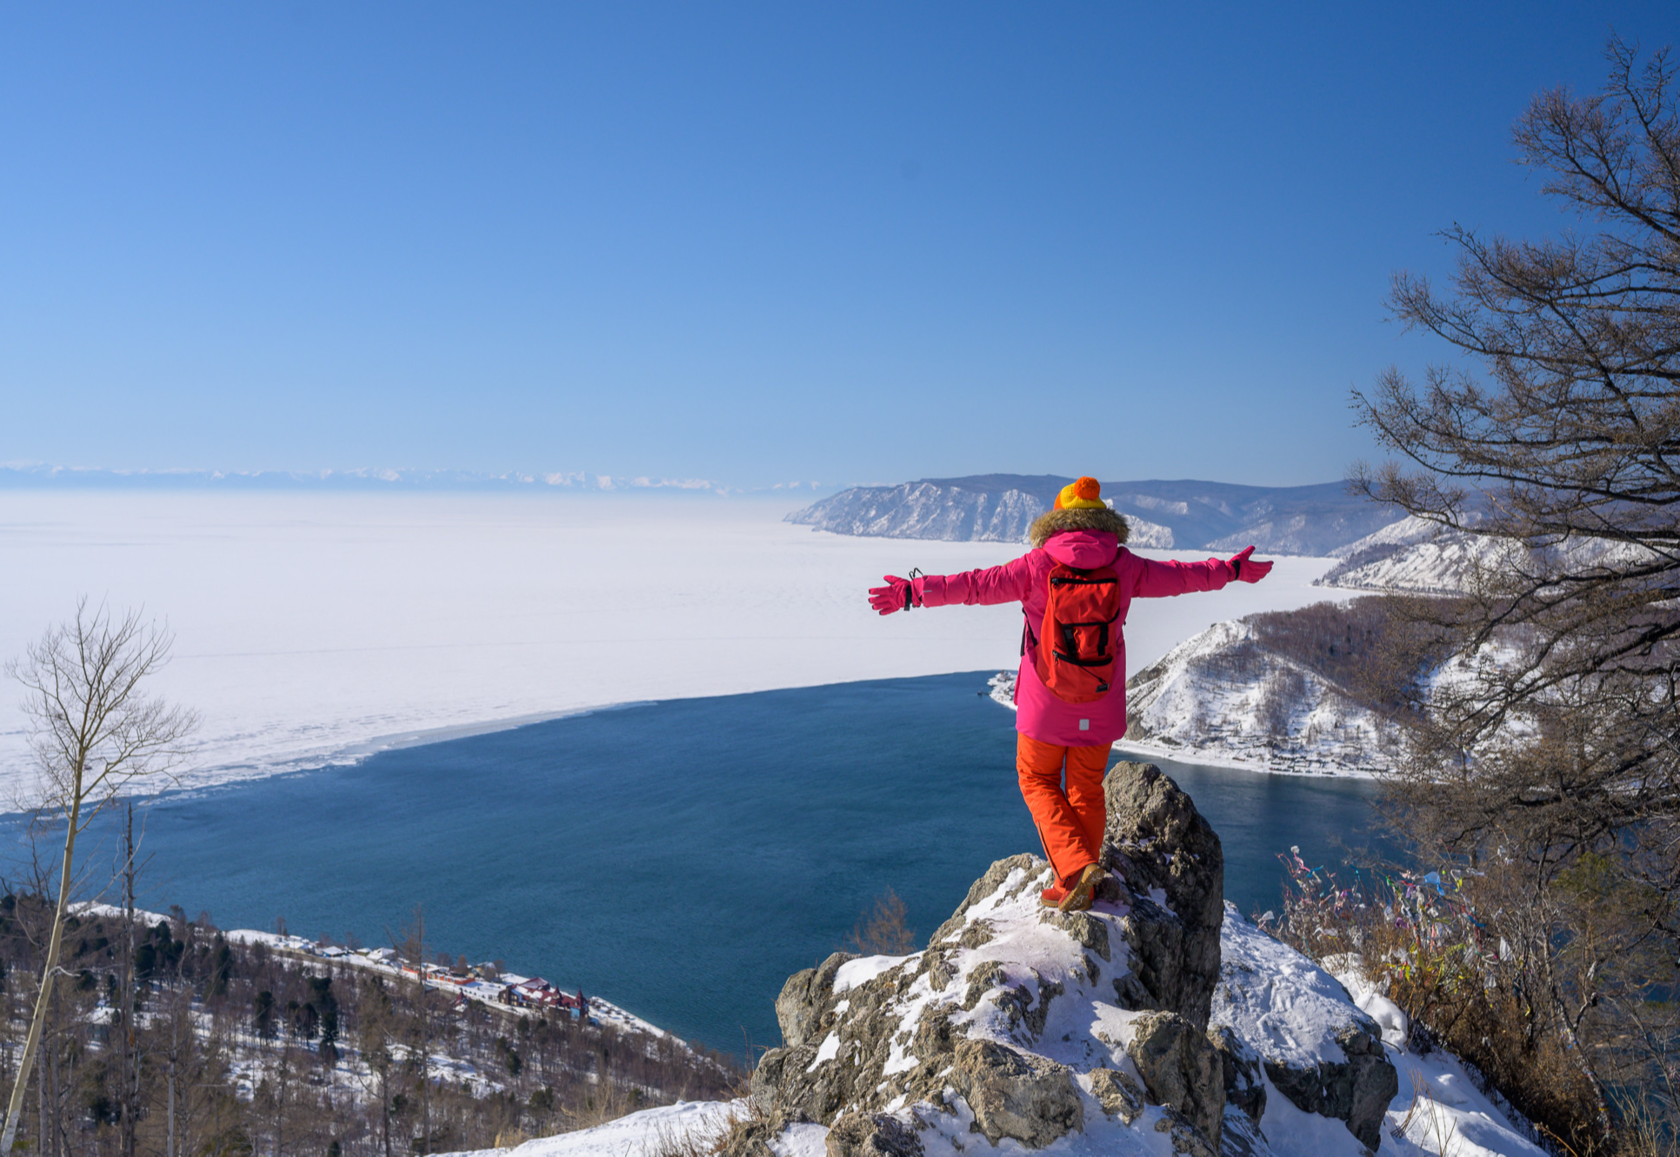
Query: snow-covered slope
[[1412, 556], [1415, 556], [688, 1127], [1220, 698]]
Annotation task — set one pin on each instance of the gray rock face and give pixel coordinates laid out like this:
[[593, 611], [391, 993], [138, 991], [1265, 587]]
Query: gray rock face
[[802, 996], [1158, 840], [872, 1135], [1118, 1094], [1357, 1090], [1015, 1094], [1185, 1140], [1180, 1069], [1242, 1137], [1241, 1072], [1001, 1025]]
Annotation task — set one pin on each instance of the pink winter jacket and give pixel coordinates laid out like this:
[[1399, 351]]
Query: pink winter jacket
[[1039, 714]]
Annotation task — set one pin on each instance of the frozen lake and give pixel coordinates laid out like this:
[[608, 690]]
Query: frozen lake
[[319, 627]]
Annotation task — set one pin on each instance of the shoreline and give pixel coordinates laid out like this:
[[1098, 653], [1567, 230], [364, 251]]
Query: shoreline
[[1204, 758], [1002, 686]]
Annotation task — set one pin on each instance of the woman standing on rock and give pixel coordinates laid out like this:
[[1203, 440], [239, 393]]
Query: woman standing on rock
[[1075, 587]]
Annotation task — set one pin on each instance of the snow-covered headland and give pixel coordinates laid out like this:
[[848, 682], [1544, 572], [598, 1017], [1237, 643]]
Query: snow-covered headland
[[1411, 556], [1263, 712], [1181, 515], [1270, 714], [314, 627]]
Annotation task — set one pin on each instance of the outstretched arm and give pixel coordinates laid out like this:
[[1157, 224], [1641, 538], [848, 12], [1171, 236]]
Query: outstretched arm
[[1162, 579], [993, 584]]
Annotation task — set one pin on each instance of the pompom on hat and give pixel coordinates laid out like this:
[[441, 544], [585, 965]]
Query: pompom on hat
[[1081, 494]]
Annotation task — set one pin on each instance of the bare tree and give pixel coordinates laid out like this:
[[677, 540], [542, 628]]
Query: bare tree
[[1555, 749], [93, 731], [885, 931], [412, 947]]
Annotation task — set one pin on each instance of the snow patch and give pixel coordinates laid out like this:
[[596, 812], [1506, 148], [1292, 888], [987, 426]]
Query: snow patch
[[864, 969]]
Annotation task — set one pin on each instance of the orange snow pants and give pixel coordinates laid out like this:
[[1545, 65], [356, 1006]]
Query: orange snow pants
[[1070, 820]]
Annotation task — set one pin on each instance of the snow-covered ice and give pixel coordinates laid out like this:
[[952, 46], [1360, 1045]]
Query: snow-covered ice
[[318, 627]]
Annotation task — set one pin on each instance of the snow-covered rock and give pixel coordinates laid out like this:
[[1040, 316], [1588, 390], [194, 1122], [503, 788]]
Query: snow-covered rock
[[1319, 1048], [1022, 1028], [1085, 1031]]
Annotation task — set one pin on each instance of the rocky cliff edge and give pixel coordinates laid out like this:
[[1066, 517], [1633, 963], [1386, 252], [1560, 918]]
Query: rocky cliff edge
[[1159, 1022]]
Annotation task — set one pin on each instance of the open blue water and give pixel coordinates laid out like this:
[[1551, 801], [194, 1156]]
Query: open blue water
[[679, 858]]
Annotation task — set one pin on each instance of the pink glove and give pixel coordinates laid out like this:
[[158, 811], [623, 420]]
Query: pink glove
[[898, 595], [1245, 569]]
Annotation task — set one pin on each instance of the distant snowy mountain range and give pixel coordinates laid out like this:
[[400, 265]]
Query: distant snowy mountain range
[[1305, 520], [69, 477]]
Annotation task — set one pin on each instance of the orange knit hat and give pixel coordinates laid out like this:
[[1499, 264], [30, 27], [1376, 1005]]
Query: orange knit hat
[[1081, 494]]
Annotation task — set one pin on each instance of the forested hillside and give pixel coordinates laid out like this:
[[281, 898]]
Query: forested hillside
[[219, 1046]]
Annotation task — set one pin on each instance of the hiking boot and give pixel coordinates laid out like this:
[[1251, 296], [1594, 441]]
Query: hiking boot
[[1078, 895], [1055, 896]]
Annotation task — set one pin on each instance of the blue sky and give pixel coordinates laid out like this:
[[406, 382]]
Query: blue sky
[[751, 243]]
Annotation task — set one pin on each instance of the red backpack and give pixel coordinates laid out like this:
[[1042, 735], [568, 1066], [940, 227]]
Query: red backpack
[[1077, 648]]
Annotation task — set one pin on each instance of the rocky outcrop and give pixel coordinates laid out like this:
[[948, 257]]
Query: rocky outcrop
[[1157, 1012], [1355, 1089], [1173, 866], [1180, 1069], [1317, 1047], [802, 996], [1017, 1021]]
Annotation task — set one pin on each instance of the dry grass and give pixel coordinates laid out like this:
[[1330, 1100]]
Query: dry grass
[[1423, 945], [1439, 1127], [703, 1141]]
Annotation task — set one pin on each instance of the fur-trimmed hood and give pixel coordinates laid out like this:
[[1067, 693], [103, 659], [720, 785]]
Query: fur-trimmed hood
[[1055, 521]]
